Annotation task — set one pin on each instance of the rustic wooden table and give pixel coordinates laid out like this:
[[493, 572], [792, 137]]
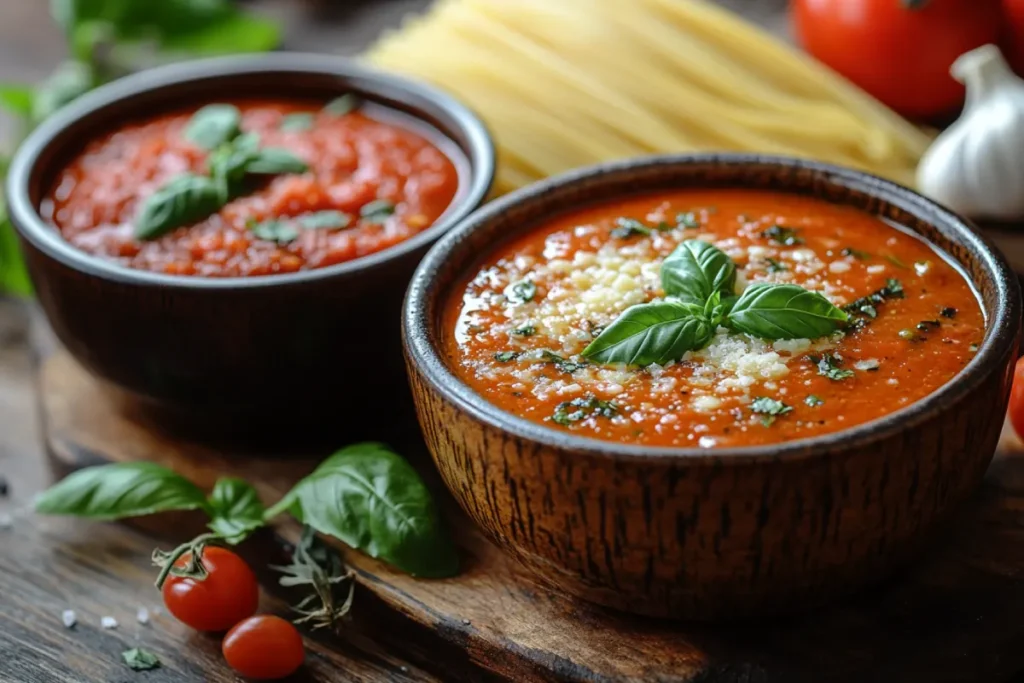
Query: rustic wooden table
[[953, 618]]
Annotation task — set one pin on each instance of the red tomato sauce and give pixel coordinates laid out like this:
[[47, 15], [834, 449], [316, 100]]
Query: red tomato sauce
[[525, 356], [353, 159]]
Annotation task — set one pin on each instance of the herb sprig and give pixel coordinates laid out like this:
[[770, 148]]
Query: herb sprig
[[698, 279]]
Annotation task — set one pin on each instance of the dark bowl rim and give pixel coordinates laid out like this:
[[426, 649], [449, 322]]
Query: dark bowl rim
[[1002, 334], [480, 156]]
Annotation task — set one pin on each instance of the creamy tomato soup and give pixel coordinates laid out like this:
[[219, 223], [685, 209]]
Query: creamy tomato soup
[[542, 327]]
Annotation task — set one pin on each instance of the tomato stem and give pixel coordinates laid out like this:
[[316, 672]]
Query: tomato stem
[[196, 570]]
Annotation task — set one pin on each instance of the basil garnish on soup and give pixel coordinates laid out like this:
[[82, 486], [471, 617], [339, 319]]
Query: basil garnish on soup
[[698, 279]]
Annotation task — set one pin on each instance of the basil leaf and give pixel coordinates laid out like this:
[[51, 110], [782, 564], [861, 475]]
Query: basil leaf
[[140, 659], [828, 366], [214, 125], [274, 161], [651, 333], [627, 227], [325, 220], [521, 292], [773, 311], [506, 356], [235, 509], [695, 270], [687, 221], [274, 230], [813, 401], [373, 500], [561, 364], [185, 199], [345, 104], [229, 163], [122, 490], [377, 211], [293, 123]]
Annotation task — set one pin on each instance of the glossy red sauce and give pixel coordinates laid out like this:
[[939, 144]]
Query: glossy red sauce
[[353, 159], [585, 277]]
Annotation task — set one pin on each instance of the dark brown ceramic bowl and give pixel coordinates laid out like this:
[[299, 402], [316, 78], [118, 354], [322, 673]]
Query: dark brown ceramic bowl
[[722, 533], [256, 346]]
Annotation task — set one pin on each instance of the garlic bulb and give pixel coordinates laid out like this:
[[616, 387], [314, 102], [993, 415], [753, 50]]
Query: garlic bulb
[[976, 167]]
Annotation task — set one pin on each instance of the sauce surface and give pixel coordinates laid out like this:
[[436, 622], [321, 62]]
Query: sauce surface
[[353, 160], [524, 356]]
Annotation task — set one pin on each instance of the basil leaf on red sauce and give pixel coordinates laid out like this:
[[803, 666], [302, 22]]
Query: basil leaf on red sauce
[[275, 161], [377, 211], [783, 311], [120, 490], [183, 200], [214, 125], [628, 227], [769, 409], [369, 497], [695, 270], [325, 220], [235, 509], [229, 163], [275, 230], [579, 409], [783, 235], [345, 104], [657, 332]]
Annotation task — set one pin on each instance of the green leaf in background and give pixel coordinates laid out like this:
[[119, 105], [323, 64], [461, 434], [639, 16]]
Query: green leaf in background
[[235, 509], [695, 270], [372, 499], [70, 81], [17, 99], [214, 125], [657, 332], [773, 311], [13, 273], [185, 199], [121, 490]]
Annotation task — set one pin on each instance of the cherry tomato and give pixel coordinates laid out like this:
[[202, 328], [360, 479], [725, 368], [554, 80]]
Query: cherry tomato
[[899, 51], [1013, 24], [229, 594], [1016, 409], [264, 648]]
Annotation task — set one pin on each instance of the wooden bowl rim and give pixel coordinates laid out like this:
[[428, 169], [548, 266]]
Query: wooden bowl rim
[[1001, 336], [422, 101]]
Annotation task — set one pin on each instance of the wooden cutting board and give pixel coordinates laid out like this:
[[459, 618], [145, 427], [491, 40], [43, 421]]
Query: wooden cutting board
[[953, 616]]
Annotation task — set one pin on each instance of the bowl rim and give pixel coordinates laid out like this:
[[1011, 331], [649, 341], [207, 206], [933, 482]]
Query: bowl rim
[[480, 156], [1002, 333]]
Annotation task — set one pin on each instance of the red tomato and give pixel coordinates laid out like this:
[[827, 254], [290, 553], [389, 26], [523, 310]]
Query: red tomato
[[1013, 13], [900, 51], [264, 648], [1016, 409], [229, 594]]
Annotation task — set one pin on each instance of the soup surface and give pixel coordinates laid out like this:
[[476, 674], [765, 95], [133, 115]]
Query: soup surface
[[518, 326], [310, 219]]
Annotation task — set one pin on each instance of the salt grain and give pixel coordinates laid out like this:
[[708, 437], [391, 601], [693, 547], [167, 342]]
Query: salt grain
[[69, 618], [108, 622], [142, 615], [6, 522]]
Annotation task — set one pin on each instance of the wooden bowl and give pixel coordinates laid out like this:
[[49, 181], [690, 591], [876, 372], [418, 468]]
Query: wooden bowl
[[723, 533], [266, 347]]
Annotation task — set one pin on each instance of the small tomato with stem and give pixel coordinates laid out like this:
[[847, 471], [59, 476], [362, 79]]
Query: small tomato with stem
[[208, 587], [264, 648]]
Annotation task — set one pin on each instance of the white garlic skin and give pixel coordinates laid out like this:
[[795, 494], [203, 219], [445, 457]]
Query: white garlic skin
[[976, 167]]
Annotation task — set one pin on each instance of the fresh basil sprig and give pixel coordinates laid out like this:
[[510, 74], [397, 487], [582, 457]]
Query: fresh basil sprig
[[373, 500], [365, 495], [698, 279], [234, 155]]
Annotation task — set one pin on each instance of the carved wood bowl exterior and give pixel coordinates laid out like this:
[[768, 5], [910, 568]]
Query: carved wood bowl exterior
[[725, 533], [261, 349]]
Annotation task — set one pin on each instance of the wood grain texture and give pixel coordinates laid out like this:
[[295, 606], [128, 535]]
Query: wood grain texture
[[719, 533], [950, 617]]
